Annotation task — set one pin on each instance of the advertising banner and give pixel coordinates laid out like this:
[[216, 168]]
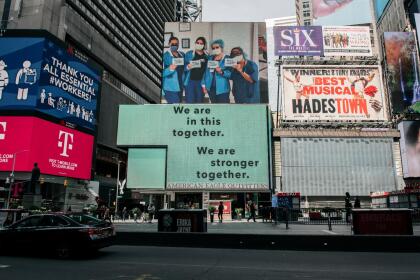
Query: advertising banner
[[38, 74], [347, 41], [298, 40], [409, 144], [332, 93], [341, 12], [58, 150], [214, 62], [403, 72], [209, 147]]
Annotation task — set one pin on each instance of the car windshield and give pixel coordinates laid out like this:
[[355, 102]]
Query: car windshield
[[85, 219]]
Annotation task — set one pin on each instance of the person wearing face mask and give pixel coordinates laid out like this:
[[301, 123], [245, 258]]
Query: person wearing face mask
[[245, 82], [216, 80], [193, 73], [173, 75]]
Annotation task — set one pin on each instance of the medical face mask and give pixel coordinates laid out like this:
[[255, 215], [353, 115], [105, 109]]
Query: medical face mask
[[199, 47], [217, 51], [174, 48]]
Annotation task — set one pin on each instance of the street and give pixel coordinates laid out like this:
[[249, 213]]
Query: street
[[142, 263]]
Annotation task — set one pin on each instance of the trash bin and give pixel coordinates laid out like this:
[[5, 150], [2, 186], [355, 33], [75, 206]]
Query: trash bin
[[182, 220]]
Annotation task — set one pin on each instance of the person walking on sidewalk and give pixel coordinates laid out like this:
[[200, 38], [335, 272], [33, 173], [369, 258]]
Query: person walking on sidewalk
[[348, 206], [124, 213], [252, 210], [357, 202], [151, 210], [220, 211]]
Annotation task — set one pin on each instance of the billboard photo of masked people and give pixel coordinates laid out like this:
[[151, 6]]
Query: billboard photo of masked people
[[214, 63]]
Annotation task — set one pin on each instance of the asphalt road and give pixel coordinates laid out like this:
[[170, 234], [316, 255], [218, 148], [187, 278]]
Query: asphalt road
[[143, 263]]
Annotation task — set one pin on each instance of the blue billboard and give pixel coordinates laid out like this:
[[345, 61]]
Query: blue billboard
[[37, 74]]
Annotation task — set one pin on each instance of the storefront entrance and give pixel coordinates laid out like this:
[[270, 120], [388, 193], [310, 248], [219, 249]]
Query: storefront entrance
[[188, 200]]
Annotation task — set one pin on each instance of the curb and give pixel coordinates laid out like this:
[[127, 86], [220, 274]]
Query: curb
[[371, 243]]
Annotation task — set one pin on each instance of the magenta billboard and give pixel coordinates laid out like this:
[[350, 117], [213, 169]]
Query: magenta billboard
[[298, 41], [58, 150]]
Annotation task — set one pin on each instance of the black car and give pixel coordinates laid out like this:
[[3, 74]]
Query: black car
[[56, 233]]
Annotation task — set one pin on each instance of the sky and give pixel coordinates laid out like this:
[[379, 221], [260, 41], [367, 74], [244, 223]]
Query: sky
[[246, 10]]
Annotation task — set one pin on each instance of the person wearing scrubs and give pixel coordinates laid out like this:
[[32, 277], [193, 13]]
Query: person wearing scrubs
[[216, 80], [245, 83], [173, 75], [195, 66]]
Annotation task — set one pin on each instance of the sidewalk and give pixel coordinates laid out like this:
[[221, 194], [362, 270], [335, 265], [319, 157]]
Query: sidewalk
[[244, 227]]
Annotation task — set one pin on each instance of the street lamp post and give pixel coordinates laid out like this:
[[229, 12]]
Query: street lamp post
[[117, 190], [12, 177]]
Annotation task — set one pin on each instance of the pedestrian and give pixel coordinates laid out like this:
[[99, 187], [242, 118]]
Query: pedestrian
[[124, 213], [252, 210], [357, 202], [151, 210], [347, 205], [134, 211], [220, 211], [107, 216], [35, 174]]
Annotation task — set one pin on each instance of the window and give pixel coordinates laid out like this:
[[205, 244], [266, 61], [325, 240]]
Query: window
[[32, 221], [53, 221], [306, 13]]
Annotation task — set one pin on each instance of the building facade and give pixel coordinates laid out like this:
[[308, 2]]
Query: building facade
[[124, 37]]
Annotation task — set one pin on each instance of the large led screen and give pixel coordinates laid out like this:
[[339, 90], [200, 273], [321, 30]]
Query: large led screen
[[214, 62], [38, 74], [213, 147], [58, 150]]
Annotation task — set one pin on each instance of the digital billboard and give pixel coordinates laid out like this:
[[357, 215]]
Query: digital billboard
[[38, 74], [298, 41], [341, 12], [58, 150], [214, 63], [209, 147], [332, 93], [410, 147], [347, 41], [403, 72]]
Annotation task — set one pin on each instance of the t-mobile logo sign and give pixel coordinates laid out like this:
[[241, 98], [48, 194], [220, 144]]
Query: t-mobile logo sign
[[2, 130], [65, 141]]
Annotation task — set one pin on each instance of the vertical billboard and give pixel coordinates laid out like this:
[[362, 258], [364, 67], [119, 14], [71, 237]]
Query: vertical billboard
[[37, 73], [403, 72], [347, 41], [209, 147], [214, 63], [298, 41], [332, 93], [58, 150], [341, 12], [410, 148]]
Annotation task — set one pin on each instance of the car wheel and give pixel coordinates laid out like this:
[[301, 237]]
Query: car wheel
[[63, 251]]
